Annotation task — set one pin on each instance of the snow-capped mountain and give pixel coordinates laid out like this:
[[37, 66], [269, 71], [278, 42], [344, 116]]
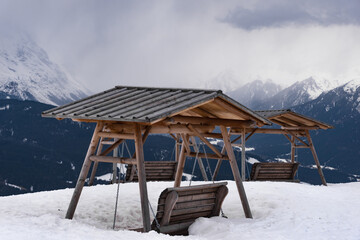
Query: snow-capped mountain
[[341, 108], [27, 73], [298, 93], [255, 92], [338, 105]]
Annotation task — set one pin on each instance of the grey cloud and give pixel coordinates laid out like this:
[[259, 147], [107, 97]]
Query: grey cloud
[[274, 14]]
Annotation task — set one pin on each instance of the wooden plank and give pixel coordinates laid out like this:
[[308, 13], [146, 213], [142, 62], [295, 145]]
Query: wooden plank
[[185, 211], [84, 171], [142, 178], [192, 197], [235, 171], [182, 205], [196, 197], [192, 216]]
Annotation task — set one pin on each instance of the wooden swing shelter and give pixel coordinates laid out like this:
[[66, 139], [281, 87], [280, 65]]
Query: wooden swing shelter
[[132, 113]]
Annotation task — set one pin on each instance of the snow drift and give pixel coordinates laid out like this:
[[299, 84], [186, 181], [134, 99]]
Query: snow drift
[[280, 211]]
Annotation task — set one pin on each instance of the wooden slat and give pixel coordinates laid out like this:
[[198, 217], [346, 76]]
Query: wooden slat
[[192, 202], [273, 171], [190, 216]]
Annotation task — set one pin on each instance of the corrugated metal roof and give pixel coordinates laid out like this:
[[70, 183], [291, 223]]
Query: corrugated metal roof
[[139, 104]]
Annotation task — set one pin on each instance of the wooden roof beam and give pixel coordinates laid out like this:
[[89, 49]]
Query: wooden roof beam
[[236, 111], [202, 112], [212, 121]]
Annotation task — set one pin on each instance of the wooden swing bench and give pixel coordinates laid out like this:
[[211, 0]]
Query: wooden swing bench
[[274, 171], [178, 207], [155, 171]]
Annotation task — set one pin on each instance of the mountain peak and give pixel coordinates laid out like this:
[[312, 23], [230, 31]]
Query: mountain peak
[[352, 86], [27, 73], [253, 92]]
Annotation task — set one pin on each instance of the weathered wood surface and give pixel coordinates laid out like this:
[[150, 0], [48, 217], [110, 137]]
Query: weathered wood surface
[[235, 172], [273, 171], [179, 207], [312, 148], [155, 171], [181, 164], [142, 178], [84, 171]]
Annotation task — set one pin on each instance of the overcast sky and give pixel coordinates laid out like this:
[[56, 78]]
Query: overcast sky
[[213, 44]]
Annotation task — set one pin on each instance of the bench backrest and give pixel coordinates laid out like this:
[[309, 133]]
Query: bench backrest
[[155, 171], [273, 171], [179, 207]]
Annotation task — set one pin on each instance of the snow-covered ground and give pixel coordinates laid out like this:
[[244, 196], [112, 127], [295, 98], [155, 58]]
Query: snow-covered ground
[[280, 211]]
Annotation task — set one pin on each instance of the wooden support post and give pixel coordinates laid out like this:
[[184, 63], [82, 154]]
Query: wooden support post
[[218, 164], [177, 149], [315, 158], [292, 149], [201, 165], [236, 173], [95, 165], [142, 178], [84, 171], [243, 156], [115, 154], [181, 164]]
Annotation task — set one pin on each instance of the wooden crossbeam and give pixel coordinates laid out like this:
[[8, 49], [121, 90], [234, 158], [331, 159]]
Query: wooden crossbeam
[[208, 155], [297, 138], [116, 135], [109, 159], [214, 149], [212, 121]]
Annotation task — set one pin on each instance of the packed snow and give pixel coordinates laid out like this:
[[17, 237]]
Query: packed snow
[[252, 160], [280, 211]]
